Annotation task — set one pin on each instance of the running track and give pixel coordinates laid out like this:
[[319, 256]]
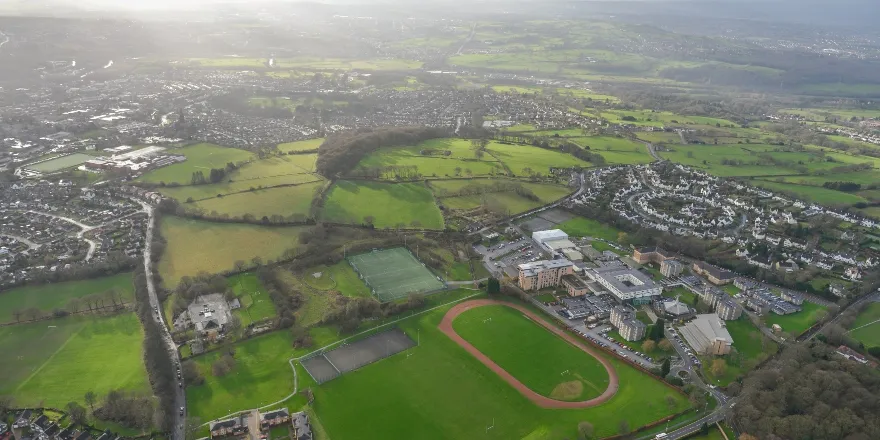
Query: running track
[[544, 402]]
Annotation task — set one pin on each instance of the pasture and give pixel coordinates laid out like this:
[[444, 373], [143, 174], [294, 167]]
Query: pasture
[[286, 201], [202, 192], [868, 334], [461, 160], [56, 362], [389, 204], [754, 159], [199, 157], [797, 323], [520, 158], [311, 144], [615, 150], [509, 201], [255, 302], [49, 297], [539, 359], [60, 163], [818, 194], [195, 246], [442, 392]]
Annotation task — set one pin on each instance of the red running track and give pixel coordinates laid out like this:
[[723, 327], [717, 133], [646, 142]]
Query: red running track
[[542, 401]]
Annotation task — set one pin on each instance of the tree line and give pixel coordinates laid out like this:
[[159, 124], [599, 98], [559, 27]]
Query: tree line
[[216, 175], [341, 152], [110, 300]]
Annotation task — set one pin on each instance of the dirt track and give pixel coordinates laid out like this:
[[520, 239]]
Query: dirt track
[[543, 402]]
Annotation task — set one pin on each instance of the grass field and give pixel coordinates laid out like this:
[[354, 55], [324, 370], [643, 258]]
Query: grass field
[[587, 227], [286, 201], [201, 192], [828, 197], [310, 144], [797, 323], [343, 279], [390, 204], [48, 297], [539, 359], [442, 392], [750, 343], [199, 157], [461, 157], [255, 302], [55, 363], [870, 335], [394, 273], [539, 160], [195, 246], [60, 163], [510, 200]]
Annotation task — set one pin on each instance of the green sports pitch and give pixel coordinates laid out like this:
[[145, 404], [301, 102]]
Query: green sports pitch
[[394, 273]]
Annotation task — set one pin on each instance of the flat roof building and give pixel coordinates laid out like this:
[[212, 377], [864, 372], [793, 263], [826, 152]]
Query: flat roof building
[[627, 325], [708, 334], [544, 273], [728, 309], [549, 235], [574, 285], [626, 284]]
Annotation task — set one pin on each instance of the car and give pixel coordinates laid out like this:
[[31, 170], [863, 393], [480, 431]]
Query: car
[[181, 410]]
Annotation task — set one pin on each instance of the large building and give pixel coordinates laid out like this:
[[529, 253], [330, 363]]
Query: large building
[[651, 255], [728, 309], [715, 275], [557, 243], [627, 325], [545, 273], [671, 268], [574, 285], [626, 284], [708, 334]]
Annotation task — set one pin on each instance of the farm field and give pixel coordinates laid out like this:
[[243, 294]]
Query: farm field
[[520, 157], [202, 192], [310, 144], [586, 227], [461, 396], [615, 150], [862, 177], [59, 362], [48, 297], [199, 157], [799, 322], [818, 194], [869, 335], [539, 359], [255, 302], [748, 154], [195, 246], [285, 201], [390, 204], [457, 163], [276, 166], [60, 163], [510, 200]]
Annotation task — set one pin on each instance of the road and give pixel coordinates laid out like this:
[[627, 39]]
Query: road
[[467, 40], [179, 396], [29, 243], [5, 39], [651, 150]]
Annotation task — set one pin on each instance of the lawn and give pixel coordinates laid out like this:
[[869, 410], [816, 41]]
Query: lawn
[[684, 295], [286, 201], [587, 227], [519, 158], [53, 364], [442, 392], [748, 340], [539, 359], [195, 246], [799, 322], [199, 157], [390, 204], [255, 302], [49, 297], [311, 144], [870, 335]]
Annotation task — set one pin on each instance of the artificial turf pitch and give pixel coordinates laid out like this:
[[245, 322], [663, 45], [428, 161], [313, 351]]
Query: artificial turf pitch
[[394, 273]]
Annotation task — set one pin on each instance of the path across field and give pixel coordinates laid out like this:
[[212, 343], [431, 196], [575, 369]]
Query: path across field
[[542, 401]]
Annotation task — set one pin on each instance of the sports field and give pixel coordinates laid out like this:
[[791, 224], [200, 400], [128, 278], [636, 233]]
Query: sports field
[[394, 273], [48, 297], [542, 361], [60, 163], [390, 204], [51, 364], [442, 392], [195, 246], [199, 157], [868, 326]]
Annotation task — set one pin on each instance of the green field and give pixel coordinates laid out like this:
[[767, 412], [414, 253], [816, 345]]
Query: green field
[[394, 273], [195, 246], [255, 302], [587, 227], [799, 322], [616, 150], [753, 346], [460, 160], [346, 281], [442, 392], [539, 359], [199, 157], [828, 197], [309, 63], [390, 204], [285, 201], [870, 335], [519, 158], [511, 202], [49, 297], [202, 192], [310, 144], [60, 163], [50, 364]]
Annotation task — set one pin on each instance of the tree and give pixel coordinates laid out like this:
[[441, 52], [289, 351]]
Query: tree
[[747, 437], [649, 346], [665, 345], [719, 367], [585, 430], [704, 430], [191, 427], [76, 413], [90, 399], [239, 266], [664, 369], [493, 286], [257, 261]]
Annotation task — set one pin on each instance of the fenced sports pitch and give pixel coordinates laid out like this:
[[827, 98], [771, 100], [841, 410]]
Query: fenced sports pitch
[[334, 363], [394, 273]]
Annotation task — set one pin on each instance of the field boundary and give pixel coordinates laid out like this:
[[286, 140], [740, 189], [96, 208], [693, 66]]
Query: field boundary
[[542, 401]]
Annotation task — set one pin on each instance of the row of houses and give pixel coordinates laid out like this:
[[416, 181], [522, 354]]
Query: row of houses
[[32, 425], [238, 426]]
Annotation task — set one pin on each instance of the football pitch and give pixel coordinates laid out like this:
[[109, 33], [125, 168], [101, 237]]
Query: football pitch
[[394, 273]]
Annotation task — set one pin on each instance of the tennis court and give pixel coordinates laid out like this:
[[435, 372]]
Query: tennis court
[[394, 273]]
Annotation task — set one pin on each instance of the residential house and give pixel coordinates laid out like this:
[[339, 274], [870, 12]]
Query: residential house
[[302, 430], [274, 418], [232, 427]]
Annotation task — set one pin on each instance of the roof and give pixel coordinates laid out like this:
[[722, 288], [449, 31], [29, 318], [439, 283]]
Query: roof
[[703, 331], [574, 281], [560, 243], [715, 272], [624, 279], [278, 413], [533, 268], [551, 234], [676, 307]]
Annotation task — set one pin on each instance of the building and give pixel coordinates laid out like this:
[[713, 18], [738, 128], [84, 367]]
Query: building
[[627, 325], [574, 285], [675, 309], [302, 430], [852, 355], [671, 268], [715, 275], [549, 235], [274, 418], [792, 297], [544, 273], [708, 334], [651, 255], [758, 305], [233, 427], [208, 314], [626, 284], [728, 309]]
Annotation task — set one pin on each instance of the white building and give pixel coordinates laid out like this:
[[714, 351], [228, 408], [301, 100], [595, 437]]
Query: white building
[[626, 284]]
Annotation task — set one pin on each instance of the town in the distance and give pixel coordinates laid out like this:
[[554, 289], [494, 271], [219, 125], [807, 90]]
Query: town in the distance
[[641, 220]]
